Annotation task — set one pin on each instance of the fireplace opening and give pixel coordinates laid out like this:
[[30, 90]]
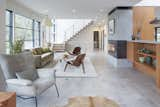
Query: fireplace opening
[[117, 48]]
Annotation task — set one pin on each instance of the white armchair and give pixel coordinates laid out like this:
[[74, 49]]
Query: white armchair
[[25, 88], [29, 88]]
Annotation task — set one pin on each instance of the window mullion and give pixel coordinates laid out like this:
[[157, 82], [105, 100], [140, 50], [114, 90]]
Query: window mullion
[[39, 33], [33, 33]]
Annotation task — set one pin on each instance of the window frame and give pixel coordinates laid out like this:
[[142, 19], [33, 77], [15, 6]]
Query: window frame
[[156, 34], [12, 27]]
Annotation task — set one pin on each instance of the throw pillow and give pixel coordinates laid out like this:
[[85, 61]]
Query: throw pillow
[[34, 52], [39, 51], [28, 74], [45, 50]]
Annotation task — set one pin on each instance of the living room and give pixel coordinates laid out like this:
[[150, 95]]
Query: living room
[[58, 54]]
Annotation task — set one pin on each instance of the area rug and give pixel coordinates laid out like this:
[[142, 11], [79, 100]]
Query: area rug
[[91, 102], [73, 72]]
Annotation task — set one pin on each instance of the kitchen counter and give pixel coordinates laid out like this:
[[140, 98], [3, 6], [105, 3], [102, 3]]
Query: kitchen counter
[[144, 41]]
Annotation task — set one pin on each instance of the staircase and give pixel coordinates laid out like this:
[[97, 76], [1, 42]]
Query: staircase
[[73, 40]]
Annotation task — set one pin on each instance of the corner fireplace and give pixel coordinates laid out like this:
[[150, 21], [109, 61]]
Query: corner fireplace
[[117, 48]]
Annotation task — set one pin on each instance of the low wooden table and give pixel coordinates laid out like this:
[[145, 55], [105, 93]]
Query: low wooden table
[[91, 102], [7, 99]]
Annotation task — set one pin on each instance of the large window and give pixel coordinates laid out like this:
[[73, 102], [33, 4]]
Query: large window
[[37, 39], [9, 30], [24, 28]]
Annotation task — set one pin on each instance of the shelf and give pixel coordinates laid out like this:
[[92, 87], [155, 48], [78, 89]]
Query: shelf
[[144, 54], [145, 68]]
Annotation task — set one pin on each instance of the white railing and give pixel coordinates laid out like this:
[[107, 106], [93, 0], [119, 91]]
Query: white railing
[[75, 28]]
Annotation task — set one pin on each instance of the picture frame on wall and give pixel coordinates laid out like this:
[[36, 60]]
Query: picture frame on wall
[[111, 26]]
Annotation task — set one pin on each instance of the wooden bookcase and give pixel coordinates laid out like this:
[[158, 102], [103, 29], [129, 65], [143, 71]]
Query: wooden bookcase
[[133, 55]]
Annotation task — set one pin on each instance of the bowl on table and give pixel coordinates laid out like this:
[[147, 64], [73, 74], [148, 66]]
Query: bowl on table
[[141, 59]]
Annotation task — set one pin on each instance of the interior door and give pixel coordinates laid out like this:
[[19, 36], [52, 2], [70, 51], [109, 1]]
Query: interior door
[[96, 39]]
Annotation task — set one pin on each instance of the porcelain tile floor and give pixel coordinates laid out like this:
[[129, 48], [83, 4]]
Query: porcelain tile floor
[[129, 88]]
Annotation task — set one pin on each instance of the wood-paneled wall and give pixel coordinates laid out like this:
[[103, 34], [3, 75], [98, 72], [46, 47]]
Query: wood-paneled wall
[[141, 18]]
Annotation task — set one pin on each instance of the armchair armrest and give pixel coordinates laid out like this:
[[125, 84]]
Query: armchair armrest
[[21, 82], [47, 73]]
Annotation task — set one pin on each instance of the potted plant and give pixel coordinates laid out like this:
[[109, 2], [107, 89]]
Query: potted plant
[[17, 46]]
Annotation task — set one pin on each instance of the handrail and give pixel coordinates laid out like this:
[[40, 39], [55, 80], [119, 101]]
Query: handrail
[[75, 28]]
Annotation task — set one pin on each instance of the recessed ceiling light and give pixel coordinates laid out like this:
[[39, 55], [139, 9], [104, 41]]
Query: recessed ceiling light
[[73, 10], [101, 10], [45, 11]]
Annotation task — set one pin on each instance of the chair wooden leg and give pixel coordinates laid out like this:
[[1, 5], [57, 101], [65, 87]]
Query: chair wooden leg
[[83, 68], [65, 67], [57, 89]]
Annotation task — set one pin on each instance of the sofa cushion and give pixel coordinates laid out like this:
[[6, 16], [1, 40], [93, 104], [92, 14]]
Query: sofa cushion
[[34, 52], [29, 74], [45, 50], [39, 51], [9, 65]]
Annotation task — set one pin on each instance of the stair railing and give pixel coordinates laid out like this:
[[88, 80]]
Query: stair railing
[[75, 28]]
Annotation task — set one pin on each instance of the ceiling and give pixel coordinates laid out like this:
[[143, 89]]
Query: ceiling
[[75, 8]]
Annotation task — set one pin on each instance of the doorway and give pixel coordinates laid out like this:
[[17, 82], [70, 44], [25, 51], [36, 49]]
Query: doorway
[[96, 39]]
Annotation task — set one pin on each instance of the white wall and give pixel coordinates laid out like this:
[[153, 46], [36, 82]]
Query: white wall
[[157, 12], [2, 26], [123, 25], [62, 26]]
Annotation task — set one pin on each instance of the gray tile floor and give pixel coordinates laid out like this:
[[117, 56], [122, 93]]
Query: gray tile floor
[[129, 88]]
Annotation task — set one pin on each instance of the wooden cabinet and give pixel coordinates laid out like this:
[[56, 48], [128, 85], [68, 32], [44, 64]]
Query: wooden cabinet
[[134, 54], [130, 51], [7, 99]]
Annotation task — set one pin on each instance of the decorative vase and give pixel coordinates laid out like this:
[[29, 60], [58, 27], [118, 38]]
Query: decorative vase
[[148, 60]]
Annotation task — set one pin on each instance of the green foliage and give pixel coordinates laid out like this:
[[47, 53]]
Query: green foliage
[[17, 46]]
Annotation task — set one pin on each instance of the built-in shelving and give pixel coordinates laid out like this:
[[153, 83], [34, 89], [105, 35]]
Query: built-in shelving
[[145, 55], [145, 68], [133, 54]]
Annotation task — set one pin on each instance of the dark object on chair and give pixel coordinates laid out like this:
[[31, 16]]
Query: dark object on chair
[[76, 51], [77, 62]]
